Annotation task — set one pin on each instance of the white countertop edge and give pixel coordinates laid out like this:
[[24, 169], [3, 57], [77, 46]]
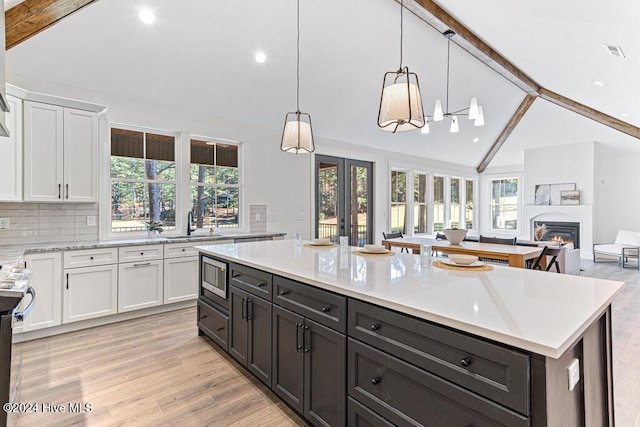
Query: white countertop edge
[[527, 345]]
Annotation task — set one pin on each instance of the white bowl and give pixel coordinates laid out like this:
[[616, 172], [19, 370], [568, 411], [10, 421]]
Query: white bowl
[[321, 241], [374, 248], [455, 236], [463, 259]]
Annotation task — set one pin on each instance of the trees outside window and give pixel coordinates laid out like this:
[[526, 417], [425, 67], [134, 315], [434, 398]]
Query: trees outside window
[[143, 183], [504, 204]]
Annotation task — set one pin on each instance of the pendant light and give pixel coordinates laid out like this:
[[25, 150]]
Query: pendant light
[[297, 134], [400, 102], [474, 111]]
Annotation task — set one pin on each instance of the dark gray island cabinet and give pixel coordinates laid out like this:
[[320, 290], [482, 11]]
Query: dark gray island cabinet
[[341, 361]]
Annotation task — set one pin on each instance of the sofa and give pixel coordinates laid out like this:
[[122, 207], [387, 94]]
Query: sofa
[[625, 247]]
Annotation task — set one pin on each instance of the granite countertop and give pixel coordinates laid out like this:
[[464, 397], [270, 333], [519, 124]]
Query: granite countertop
[[536, 311], [9, 255]]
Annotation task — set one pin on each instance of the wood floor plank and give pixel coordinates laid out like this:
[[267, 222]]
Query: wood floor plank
[[148, 371]]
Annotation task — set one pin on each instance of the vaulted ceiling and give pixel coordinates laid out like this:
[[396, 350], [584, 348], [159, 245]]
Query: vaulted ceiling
[[198, 57]]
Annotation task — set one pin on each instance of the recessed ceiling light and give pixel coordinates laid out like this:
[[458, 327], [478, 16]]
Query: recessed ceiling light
[[598, 83], [146, 16], [476, 139], [261, 57], [615, 50], [625, 115]]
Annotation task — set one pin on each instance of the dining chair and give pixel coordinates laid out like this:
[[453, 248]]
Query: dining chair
[[388, 236], [497, 240], [547, 251]]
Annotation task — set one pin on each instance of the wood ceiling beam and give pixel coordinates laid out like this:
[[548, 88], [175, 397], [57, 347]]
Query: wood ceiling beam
[[511, 125], [30, 17]]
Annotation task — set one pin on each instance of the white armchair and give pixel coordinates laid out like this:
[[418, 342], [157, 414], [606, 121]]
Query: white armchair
[[626, 245]]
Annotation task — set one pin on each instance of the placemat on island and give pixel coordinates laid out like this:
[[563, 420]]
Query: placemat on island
[[484, 267], [363, 253], [310, 245]]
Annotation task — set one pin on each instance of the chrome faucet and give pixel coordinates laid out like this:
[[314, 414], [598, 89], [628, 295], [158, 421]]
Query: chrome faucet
[[189, 221]]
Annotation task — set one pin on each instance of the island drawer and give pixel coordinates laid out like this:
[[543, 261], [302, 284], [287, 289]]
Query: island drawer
[[214, 324], [496, 372], [90, 257], [140, 253], [359, 415], [409, 396], [254, 281], [322, 306], [179, 250]]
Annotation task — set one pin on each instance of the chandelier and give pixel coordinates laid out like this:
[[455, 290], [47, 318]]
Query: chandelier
[[473, 111]]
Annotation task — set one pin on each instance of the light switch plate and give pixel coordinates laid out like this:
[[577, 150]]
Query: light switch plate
[[573, 372], [271, 218], [4, 223]]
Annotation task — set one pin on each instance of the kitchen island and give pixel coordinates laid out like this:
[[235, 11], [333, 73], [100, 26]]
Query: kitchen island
[[393, 341]]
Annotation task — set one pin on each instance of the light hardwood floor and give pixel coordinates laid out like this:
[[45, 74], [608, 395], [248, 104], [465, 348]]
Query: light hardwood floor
[[156, 371], [153, 371]]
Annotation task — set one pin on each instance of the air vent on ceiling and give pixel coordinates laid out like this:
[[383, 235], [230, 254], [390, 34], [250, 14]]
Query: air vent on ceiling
[[615, 50]]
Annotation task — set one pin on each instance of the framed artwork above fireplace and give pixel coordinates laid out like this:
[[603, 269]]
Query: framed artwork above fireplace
[[551, 194]]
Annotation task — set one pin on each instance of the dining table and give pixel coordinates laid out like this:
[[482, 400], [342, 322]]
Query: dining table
[[516, 255]]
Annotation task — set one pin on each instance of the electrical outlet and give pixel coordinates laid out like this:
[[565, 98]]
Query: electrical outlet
[[258, 218], [4, 223], [573, 372], [91, 220]]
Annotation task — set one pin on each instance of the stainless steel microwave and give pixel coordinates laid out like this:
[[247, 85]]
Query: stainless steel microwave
[[214, 277]]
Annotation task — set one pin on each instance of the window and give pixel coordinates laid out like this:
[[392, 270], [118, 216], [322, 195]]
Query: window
[[504, 204], [143, 180], [398, 201], [438, 203], [420, 208], [215, 190], [469, 207]]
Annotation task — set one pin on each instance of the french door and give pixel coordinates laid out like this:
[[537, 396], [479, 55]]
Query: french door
[[344, 199]]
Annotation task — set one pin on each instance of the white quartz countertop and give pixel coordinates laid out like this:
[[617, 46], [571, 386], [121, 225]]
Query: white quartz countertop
[[537, 311]]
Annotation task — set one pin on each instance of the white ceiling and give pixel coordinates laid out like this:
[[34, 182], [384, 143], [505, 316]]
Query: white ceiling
[[198, 56]]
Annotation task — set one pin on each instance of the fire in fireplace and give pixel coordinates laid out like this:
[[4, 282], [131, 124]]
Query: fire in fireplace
[[562, 232]]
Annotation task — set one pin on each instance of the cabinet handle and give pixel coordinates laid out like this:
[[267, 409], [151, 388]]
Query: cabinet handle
[[183, 249], [465, 362], [298, 327], [142, 264], [91, 258], [67, 280], [249, 312], [242, 312], [376, 380], [220, 328], [375, 327], [325, 309], [305, 340], [235, 274], [261, 284], [141, 253], [203, 317], [283, 293], [59, 191], [67, 190]]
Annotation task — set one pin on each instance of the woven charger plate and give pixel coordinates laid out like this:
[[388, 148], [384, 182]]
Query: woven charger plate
[[484, 267], [362, 253], [309, 245]]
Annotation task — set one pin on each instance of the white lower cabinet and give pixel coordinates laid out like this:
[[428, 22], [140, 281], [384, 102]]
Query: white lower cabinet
[[47, 282], [140, 285], [180, 279], [90, 292]]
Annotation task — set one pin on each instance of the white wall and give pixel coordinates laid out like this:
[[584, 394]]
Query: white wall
[[617, 192]]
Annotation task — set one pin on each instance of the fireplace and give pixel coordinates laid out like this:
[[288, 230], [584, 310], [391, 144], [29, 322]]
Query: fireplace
[[563, 232]]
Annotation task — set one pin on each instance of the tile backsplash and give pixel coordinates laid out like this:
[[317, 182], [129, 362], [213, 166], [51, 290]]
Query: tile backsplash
[[257, 211], [33, 223]]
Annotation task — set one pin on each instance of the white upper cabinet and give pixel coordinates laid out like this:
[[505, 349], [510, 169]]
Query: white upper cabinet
[[60, 154], [11, 154]]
